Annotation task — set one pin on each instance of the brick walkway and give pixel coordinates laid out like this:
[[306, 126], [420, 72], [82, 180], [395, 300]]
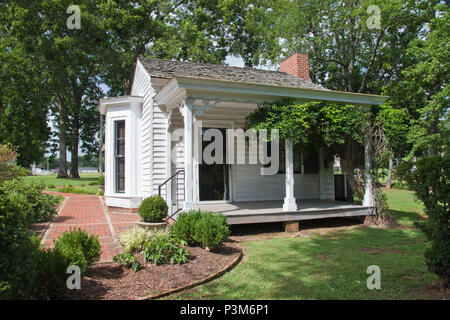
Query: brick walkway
[[88, 213]]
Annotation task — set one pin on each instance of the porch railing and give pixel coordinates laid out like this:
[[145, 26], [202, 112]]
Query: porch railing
[[174, 204]]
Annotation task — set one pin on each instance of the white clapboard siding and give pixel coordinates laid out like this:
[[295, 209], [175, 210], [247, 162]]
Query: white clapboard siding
[[142, 87]]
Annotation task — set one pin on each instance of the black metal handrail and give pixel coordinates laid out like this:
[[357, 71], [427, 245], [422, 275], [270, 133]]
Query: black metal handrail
[[171, 178]]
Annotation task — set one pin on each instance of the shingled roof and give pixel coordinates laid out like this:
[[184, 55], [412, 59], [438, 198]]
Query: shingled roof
[[167, 69]]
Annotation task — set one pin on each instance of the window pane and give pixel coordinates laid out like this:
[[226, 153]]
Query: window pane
[[120, 175], [120, 155]]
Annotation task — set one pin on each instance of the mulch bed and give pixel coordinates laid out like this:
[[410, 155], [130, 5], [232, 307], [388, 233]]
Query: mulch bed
[[111, 281]]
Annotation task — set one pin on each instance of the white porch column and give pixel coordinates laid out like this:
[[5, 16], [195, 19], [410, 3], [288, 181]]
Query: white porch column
[[289, 200], [188, 157], [169, 165], [368, 192]]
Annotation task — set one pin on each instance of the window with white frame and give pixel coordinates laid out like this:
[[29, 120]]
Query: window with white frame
[[119, 155]]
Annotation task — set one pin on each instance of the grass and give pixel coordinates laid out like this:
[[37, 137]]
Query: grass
[[331, 266], [87, 184]]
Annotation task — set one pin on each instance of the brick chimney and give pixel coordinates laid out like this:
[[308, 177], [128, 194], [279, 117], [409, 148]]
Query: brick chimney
[[296, 65]]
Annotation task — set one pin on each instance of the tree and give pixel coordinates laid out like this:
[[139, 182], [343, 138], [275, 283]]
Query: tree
[[426, 90], [426, 85], [395, 124], [68, 56], [24, 101], [345, 53]]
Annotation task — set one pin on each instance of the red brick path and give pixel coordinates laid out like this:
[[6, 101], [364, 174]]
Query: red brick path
[[88, 213]]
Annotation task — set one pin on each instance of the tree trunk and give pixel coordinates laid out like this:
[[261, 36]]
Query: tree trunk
[[389, 177], [74, 145], [62, 167], [434, 130]]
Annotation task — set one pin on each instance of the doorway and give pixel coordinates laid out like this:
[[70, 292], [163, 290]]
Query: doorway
[[214, 179]]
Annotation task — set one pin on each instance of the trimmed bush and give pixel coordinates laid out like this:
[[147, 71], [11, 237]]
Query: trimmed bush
[[134, 240], [153, 209], [79, 248], [211, 230], [183, 228], [163, 248], [206, 229]]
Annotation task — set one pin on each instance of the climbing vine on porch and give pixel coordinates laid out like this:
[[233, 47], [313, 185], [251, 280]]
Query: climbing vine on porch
[[338, 128]]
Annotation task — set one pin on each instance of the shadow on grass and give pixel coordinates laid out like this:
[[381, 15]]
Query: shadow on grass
[[327, 267]]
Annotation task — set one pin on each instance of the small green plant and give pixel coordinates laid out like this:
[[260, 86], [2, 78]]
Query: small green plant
[[134, 240], [79, 248], [153, 209], [51, 186], [100, 192], [128, 260], [164, 248], [101, 180]]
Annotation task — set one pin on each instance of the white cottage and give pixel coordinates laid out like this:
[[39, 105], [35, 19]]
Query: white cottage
[[149, 143]]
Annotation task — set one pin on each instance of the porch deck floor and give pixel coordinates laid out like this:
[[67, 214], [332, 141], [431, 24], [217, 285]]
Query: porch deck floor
[[272, 211]]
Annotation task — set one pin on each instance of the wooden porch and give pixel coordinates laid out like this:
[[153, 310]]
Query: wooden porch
[[272, 211]]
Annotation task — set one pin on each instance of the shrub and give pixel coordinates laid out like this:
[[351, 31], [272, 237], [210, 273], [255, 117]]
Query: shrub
[[183, 228], [79, 248], [211, 230], [8, 169], [153, 209], [201, 228], [429, 177], [26, 270], [18, 248], [36, 206], [163, 248], [101, 180], [72, 189], [134, 240], [128, 260], [51, 276]]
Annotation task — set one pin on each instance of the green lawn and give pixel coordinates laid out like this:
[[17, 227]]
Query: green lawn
[[331, 266], [85, 183]]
